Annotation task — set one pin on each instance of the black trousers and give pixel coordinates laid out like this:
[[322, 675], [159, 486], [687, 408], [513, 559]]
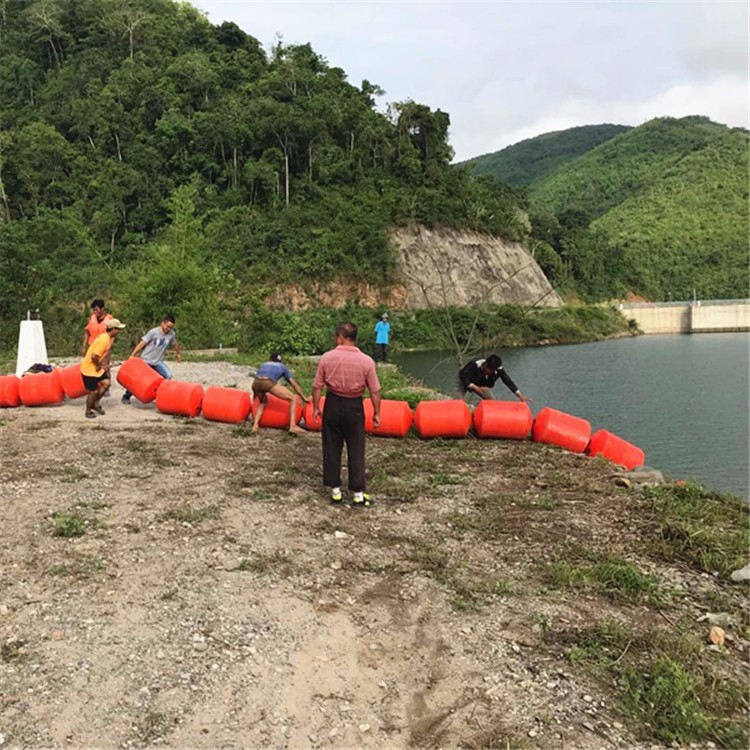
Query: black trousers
[[344, 422], [381, 352]]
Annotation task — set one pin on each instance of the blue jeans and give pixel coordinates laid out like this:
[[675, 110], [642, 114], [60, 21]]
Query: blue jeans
[[161, 368]]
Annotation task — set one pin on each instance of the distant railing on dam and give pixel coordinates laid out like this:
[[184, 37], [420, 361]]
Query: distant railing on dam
[[698, 316]]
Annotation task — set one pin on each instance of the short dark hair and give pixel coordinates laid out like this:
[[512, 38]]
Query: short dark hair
[[170, 318], [275, 357], [494, 361], [347, 331], [97, 303]]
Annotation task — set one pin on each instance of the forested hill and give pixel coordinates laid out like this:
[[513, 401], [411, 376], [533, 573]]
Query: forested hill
[[173, 164], [659, 210], [533, 159]]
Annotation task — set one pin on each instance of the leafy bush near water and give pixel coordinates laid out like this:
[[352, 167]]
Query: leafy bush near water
[[489, 327]]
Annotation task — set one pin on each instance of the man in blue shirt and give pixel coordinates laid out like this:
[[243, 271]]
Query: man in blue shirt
[[266, 381], [382, 331]]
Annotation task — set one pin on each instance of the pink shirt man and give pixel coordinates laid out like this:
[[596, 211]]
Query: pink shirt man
[[346, 371]]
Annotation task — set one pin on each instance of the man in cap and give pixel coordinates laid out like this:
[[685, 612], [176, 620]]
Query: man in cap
[[382, 333], [95, 378], [479, 375]]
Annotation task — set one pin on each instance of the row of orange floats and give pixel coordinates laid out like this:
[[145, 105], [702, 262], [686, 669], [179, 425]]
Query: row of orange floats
[[431, 419]]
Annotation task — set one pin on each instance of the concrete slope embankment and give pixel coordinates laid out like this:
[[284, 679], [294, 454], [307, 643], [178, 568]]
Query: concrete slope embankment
[[437, 267], [713, 316]]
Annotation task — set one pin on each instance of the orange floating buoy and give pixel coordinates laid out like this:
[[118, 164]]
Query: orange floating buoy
[[178, 397], [276, 413], [72, 381], [225, 404], [503, 419], [312, 424], [42, 389], [616, 449], [10, 395], [446, 419], [564, 430], [141, 380], [395, 418]]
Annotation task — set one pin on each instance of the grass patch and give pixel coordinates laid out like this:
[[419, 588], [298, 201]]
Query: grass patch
[[441, 479], [12, 650], [68, 525], [705, 529], [155, 725], [72, 474], [502, 587], [44, 424], [461, 522], [493, 510], [188, 514], [244, 430], [612, 577], [81, 567], [668, 690], [278, 562]]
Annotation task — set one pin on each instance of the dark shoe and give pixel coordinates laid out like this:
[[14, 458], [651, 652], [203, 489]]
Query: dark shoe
[[336, 499], [125, 400], [366, 502], [91, 415], [98, 409]]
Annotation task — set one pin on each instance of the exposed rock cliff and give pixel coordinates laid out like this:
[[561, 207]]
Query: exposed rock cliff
[[465, 268], [438, 267]]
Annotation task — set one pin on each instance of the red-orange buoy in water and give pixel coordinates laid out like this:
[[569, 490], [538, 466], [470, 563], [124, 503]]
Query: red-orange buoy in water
[[615, 449], [10, 395], [564, 430], [226, 404], [395, 418], [503, 419], [178, 397], [276, 413], [42, 389], [312, 424], [446, 419], [72, 381], [141, 380]]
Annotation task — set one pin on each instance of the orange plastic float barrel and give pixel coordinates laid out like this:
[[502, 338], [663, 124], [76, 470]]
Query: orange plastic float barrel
[[564, 430], [503, 419], [42, 389], [225, 404], [276, 413], [446, 419], [10, 395], [395, 418], [141, 380], [72, 381], [178, 397], [312, 424], [616, 449]]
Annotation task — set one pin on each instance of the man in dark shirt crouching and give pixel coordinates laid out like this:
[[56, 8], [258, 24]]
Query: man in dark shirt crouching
[[479, 375]]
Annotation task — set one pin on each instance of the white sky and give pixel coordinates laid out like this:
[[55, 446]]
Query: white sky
[[506, 71]]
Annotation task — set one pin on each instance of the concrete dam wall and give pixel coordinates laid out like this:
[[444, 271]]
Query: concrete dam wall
[[714, 316]]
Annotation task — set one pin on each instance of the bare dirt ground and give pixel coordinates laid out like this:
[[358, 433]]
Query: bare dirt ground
[[216, 599]]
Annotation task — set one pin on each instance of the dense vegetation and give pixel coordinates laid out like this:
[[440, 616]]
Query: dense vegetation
[[660, 210], [166, 163], [535, 158], [472, 329], [664, 208]]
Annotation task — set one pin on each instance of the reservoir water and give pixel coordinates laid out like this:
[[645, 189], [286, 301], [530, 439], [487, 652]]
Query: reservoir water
[[683, 398]]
